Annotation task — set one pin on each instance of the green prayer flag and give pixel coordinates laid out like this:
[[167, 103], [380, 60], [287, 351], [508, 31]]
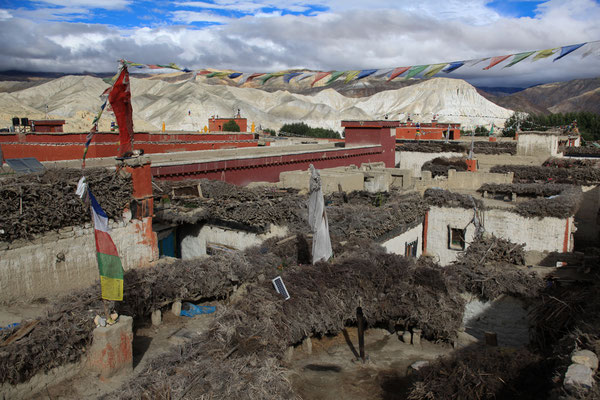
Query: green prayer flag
[[519, 57], [413, 71], [334, 76]]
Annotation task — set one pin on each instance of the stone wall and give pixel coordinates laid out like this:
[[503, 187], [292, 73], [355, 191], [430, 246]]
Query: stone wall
[[397, 245], [60, 262], [194, 238]]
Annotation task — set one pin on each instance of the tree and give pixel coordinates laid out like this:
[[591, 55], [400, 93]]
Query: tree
[[519, 120], [481, 131], [231, 126], [301, 129]]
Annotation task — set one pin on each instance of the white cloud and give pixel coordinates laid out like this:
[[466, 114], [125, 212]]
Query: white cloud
[[347, 36], [104, 4], [195, 16], [4, 15]]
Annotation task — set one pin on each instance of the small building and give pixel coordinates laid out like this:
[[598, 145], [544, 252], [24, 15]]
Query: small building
[[427, 131], [47, 125], [546, 144], [215, 124]]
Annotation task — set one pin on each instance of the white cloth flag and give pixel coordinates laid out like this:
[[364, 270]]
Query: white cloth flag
[[317, 218]]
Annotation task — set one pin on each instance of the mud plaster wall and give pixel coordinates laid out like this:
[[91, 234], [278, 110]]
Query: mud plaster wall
[[587, 218], [397, 245], [539, 234], [57, 263], [414, 160], [506, 316], [195, 237], [537, 145]]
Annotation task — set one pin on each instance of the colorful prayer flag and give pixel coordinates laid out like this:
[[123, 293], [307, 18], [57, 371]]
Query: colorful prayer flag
[[453, 66], [397, 72], [544, 54], [519, 57], [568, 49], [497, 60], [434, 69], [416, 70], [319, 76], [351, 75], [109, 263], [288, 77], [365, 72], [334, 75]]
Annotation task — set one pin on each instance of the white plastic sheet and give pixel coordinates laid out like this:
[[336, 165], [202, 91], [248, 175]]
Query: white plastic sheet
[[317, 218]]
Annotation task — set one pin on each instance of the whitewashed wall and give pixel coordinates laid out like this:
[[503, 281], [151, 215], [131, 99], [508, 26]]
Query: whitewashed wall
[[194, 239], [537, 145], [58, 263], [413, 160], [397, 245], [437, 232], [538, 234]]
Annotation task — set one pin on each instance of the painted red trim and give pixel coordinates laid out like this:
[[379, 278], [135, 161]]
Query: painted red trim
[[566, 240], [267, 168], [425, 230]]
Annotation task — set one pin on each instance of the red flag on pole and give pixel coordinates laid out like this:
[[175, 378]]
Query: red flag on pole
[[120, 101]]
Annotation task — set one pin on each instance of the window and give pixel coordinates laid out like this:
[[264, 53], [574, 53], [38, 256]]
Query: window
[[410, 249], [456, 238]]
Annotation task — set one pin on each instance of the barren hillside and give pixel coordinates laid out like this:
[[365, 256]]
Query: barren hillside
[[187, 104]]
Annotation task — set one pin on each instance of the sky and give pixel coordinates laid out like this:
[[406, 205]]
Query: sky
[[269, 35]]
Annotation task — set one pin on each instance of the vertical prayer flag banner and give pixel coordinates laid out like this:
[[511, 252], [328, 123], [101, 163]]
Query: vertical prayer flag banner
[[109, 262], [120, 101]]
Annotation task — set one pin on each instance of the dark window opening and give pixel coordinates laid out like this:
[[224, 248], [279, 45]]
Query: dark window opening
[[410, 249], [456, 238]]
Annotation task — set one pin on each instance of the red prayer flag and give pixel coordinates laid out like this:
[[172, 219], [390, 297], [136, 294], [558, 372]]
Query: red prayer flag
[[319, 76], [120, 101], [497, 60], [397, 72]]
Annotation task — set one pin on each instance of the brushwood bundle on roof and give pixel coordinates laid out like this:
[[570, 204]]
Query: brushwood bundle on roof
[[439, 166], [524, 189], [533, 174], [241, 356], [373, 220], [570, 162], [444, 198], [488, 269], [62, 336], [431, 147], [587, 151], [35, 204], [563, 205], [256, 330], [479, 147], [229, 205], [482, 373]]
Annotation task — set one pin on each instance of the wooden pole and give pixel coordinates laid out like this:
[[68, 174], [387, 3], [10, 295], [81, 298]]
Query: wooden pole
[[361, 333]]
